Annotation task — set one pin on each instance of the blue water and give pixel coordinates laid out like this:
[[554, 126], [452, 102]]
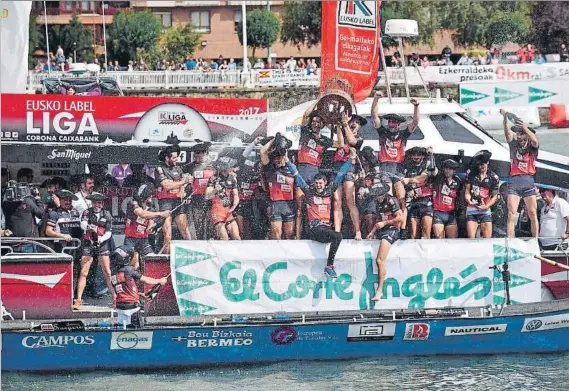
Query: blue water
[[513, 372]]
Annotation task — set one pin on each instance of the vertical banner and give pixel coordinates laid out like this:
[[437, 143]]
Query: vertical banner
[[350, 44], [14, 29]]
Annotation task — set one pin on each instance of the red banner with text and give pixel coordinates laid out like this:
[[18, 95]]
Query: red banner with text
[[350, 44]]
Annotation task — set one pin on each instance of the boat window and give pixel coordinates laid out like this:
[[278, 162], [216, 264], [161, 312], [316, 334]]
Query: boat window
[[475, 123], [368, 132], [452, 131]]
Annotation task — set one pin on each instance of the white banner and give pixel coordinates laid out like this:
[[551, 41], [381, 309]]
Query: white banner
[[237, 277], [281, 77], [491, 119], [15, 20], [529, 94]]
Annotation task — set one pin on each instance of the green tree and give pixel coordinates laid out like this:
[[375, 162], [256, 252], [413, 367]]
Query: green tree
[[179, 42], [508, 27], [263, 29], [551, 28], [302, 23], [130, 31], [75, 36], [33, 40]]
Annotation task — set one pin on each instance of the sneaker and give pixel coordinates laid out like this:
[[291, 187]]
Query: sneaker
[[403, 234], [77, 304], [330, 272]]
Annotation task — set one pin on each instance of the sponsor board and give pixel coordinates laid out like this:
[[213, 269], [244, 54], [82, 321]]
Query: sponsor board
[[417, 331], [216, 339], [476, 330], [371, 332], [60, 341], [543, 323], [131, 340]]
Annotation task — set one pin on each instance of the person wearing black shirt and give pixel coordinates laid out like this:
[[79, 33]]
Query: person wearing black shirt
[[64, 222], [21, 215]]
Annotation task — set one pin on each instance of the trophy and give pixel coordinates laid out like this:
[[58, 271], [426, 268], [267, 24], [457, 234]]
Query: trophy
[[336, 99]]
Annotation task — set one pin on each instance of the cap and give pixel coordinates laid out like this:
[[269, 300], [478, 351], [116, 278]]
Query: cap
[[378, 190], [122, 255], [222, 165], [66, 194], [394, 117], [143, 193], [482, 156], [359, 119], [449, 163], [95, 196], [416, 150], [201, 147]]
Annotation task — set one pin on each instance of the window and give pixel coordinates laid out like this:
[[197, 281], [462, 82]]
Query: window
[[452, 131], [68, 5], [368, 132], [200, 20], [165, 18]]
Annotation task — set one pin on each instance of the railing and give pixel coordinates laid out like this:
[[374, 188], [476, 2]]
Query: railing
[[11, 245]]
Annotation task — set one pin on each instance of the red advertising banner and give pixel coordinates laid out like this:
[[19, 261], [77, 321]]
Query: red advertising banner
[[350, 44], [120, 119]]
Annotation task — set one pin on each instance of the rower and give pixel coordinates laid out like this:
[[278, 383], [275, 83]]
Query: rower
[[390, 217], [318, 197], [124, 279], [446, 188], [394, 131], [222, 191]]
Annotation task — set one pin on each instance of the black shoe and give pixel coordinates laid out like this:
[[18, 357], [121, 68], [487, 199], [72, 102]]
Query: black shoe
[[403, 234]]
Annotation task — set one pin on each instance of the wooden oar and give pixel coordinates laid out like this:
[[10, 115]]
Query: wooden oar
[[560, 265]]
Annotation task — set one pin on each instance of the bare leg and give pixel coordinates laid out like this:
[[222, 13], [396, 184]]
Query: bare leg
[[244, 226], [414, 228], [400, 195], [531, 208], [452, 232], [233, 230], [289, 230], [384, 248], [182, 224], [135, 260], [105, 263], [426, 225], [370, 221], [299, 216], [338, 212], [167, 232], [350, 192], [513, 203], [276, 230], [486, 230], [82, 282], [439, 231], [220, 231], [471, 227]]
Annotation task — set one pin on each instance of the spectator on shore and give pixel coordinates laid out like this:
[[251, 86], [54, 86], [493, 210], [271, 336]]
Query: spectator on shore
[[425, 62], [224, 66], [464, 60], [414, 60], [396, 60], [259, 64], [291, 64], [488, 58], [301, 64], [539, 59], [232, 66], [446, 53], [495, 59], [563, 53], [60, 56], [269, 64]]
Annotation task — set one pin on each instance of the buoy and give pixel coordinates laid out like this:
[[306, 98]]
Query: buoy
[[558, 115]]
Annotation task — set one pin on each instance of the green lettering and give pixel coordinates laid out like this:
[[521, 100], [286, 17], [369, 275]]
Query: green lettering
[[232, 285], [274, 296]]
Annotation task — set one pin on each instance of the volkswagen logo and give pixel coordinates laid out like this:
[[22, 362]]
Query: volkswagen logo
[[534, 325]]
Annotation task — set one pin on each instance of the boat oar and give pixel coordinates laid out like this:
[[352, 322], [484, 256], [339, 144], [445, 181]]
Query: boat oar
[[560, 265]]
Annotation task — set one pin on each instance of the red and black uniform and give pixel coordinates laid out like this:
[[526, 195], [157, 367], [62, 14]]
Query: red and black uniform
[[312, 148], [223, 199], [247, 184], [66, 222], [391, 153], [385, 211], [137, 229], [169, 199], [201, 172], [445, 194], [280, 183], [342, 155], [366, 202], [95, 244], [522, 169], [124, 282], [481, 192], [419, 195]]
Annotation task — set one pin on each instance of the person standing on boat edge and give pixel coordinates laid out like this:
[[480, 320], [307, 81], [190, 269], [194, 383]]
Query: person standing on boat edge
[[447, 187], [318, 198], [280, 182], [247, 184], [222, 191], [138, 224], [170, 182], [554, 223], [386, 230], [312, 146], [201, 169], [124, 279], [394, 131], [97, 224], [419, 165], [524, 148], [347, 140], [481, 193]]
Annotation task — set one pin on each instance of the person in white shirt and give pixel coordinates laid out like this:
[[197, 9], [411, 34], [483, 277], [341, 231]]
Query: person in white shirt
[[554, 224], [83, 202]]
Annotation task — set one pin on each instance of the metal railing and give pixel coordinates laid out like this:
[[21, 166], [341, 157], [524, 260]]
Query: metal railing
[[11, 245]]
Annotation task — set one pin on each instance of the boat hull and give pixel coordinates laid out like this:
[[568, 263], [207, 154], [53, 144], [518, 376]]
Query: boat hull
[[162, 347]]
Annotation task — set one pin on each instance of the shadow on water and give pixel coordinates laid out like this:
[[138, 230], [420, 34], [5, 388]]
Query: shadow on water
[[512, 372]]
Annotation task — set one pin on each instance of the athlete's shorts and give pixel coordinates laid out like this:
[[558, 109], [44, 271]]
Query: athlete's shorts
[[479, 216], [308, 172], [284, 211], [200, 202], [245, 209], [522, 186], [351, 175], [445, 218], [171, 204], [420, 209], [367, 206], [394, 170], [130, 317], [141, 245], [391, 234], [221, 215], [87, 250]]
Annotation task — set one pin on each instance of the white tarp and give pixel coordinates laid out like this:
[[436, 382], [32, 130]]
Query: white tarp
[[216, 277], [14, 23]]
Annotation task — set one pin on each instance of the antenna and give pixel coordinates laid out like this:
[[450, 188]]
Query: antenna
[[399, 29]]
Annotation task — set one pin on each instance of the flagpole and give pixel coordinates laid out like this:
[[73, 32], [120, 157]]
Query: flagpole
[[382, 59], [105, 36], [46, 37], [244, 20]]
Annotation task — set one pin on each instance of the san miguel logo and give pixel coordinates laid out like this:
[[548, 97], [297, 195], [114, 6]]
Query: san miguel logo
[[357, 14], [170, 118]]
